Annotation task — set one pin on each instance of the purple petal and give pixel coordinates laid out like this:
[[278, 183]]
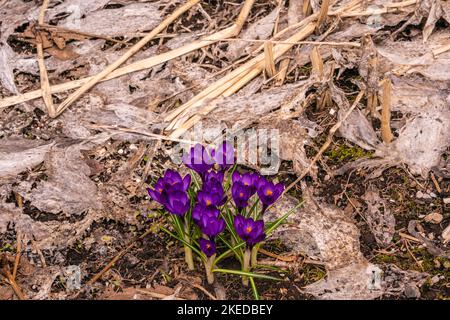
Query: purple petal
[[235, 177], [186, 182]]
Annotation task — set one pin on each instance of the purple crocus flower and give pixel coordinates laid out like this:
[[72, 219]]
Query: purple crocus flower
[[200, 210], [249, 230], [213, 177], [212, 194], [207, 247], [157, 193], [241, 194], [269, 192], [198, 160], [248, 179], [211, 226], [224, 155], [173, 178], [176, 201]]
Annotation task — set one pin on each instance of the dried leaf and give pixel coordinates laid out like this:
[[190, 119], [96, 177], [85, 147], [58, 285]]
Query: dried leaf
[[356, 128], [18, 154], [238, 112], [325, 232], [379, 217], [124, 21], [68, 174], [7, 57], [446, 234]]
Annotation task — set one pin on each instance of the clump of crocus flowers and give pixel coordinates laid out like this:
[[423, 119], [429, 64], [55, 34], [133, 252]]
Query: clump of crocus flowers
[[216, 207]]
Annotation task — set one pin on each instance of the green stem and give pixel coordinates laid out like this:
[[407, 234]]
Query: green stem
[[188, 251], [209, 265], [246, 265], [254, 259]]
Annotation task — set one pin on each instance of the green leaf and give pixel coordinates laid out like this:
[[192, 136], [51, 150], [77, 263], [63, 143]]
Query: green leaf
[[272, 268], [194, 178], [254, 289], [279, 221], [246, 274], [227, 183], [229, 222], [174, 220], [232, 249], [184, 242], [254, 208]]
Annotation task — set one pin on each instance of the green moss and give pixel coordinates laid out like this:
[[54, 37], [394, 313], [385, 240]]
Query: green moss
[[7, 247], [343, 152], [385, 258], [313, 273], [414, 208]]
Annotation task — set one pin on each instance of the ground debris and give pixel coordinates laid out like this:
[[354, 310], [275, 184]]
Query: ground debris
[[67, 174], [18, 154], [379, 217], [74, 187], [327, 234]]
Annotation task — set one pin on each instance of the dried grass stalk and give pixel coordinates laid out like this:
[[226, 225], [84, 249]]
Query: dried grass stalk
[[317, 62], [307, 9], [134, 49], [269, 59], [229, 84], [323, 13], [282, 73], [386, 133], [232, 31]]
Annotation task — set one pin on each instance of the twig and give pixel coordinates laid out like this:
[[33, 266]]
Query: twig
[[407, 236], [434, 250], [40, 254], [199, 287], [157, 295], [388, 8], [143, 133], [13, 284], [441, 50], [411, 254], [138, 46], [45, 84], [284, 64], [18, 253], [327, 142], [45, 26], [325, 43], [281, 75], [116, 258], [275, 256], [436, 184]]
